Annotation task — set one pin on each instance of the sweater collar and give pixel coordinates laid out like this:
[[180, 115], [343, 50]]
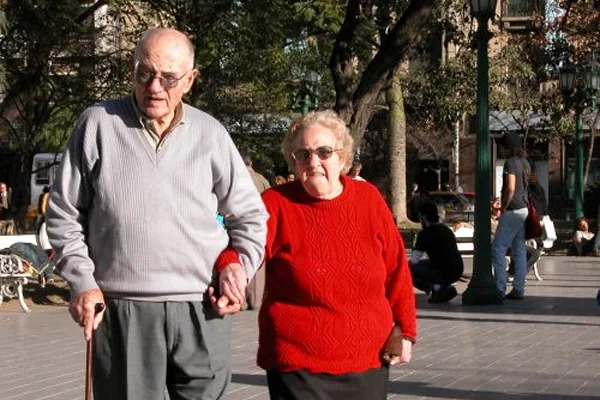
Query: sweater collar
[[349, 187], [146, 122]]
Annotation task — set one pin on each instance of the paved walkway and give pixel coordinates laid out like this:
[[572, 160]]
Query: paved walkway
[[545, 347]]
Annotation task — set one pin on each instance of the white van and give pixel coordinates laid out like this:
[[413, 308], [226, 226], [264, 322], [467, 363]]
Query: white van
[[43, 171]]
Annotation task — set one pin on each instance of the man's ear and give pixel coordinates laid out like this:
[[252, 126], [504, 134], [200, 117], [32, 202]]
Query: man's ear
[[190, 80], [133, 66]]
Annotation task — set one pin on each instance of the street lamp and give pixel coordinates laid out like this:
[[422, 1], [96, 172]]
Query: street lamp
[[579, 85], [482, 288], [307, 97]]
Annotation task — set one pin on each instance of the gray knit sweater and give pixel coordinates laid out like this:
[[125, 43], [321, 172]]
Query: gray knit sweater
[[141, 224]]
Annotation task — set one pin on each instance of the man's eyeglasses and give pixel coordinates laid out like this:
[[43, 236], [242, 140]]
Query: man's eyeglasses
[[323, 152], [144, 76]]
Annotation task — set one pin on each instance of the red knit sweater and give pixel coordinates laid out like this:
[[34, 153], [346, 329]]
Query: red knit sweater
[[337, 279]]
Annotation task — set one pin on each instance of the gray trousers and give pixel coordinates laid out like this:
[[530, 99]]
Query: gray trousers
[[141, 348]]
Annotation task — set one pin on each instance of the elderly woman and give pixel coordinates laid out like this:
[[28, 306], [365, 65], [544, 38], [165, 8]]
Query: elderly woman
[[337, 279]]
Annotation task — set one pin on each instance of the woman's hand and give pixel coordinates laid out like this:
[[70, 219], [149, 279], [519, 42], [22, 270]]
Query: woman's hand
[[403, 358]]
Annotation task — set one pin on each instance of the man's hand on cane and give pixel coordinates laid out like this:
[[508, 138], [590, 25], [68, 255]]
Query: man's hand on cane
[[83, 310]]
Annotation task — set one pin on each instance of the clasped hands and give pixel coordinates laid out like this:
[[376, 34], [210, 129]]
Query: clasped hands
[[232, 290]]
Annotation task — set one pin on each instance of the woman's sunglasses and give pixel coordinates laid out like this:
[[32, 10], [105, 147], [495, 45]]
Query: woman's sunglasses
[[323, 152]]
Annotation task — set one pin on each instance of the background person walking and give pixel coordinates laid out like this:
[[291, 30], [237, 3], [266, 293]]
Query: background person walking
[[510, 232]]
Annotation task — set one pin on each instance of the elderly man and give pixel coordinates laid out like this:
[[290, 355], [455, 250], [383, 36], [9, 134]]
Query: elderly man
[[132, 220]]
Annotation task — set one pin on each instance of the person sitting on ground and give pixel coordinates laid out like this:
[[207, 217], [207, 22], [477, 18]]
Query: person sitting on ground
[[495, 211], [444, 267], [584, 241]]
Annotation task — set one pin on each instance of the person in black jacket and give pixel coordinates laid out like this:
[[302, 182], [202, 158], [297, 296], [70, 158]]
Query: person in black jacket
[[444, 265]]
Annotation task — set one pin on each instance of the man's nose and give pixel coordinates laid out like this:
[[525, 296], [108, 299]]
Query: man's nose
[[155, 84]]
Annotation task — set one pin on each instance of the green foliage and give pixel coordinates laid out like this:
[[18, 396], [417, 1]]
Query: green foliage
[[254, 56], [439, 94], [52, 64], [56, 132]]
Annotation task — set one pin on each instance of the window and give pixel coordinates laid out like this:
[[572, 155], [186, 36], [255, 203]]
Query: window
[[42, 176]]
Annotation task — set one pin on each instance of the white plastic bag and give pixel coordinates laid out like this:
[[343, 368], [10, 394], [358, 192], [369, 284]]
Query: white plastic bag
[[549, 232]]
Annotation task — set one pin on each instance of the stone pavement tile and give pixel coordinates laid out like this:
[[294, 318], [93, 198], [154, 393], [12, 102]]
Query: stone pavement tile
[[546, 347], [590, 388], [254, 390]]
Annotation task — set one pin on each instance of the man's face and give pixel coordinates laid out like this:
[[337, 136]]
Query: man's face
[[162, 75], [3, 188]]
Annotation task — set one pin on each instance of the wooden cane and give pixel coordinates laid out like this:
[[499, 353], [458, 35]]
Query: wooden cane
[[88, 369], [88, 357]]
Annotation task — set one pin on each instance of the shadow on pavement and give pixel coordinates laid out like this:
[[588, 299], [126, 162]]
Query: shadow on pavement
[[512, 321], [531, 305], [424, 390], [245, 379]]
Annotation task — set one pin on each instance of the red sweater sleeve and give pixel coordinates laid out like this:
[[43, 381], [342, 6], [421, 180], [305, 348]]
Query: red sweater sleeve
[[398, 285], [227, 256]]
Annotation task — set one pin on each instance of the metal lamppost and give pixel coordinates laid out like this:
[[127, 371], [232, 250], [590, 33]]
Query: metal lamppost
[[307, 98], [577, 94], [482, 288]]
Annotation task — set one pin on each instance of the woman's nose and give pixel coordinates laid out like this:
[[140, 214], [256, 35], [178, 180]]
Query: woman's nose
[[313, 159]]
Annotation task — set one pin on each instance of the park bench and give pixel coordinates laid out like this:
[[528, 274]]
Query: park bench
[[14, 274], [464, 240]]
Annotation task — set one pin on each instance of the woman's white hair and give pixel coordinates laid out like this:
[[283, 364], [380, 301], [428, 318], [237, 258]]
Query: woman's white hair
[[327, 119]]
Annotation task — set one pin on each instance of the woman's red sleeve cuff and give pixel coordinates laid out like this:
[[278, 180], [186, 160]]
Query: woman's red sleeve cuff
[[227, 256]]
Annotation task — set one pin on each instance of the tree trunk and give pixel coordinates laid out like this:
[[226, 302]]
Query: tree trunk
[[357, 110], [397, 150], [593, 123]]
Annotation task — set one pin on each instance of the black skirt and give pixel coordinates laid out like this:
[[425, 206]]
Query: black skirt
[[301, 385]]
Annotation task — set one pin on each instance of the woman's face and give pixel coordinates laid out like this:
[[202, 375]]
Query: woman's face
[[319, 169]]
